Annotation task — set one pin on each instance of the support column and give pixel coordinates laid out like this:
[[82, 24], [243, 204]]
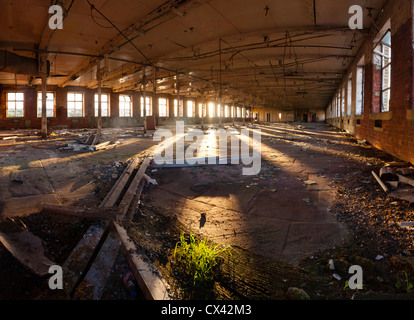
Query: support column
[[44, 72], [220, 90], [178, 96], [203, 108], [155, 108], [244, 111], [144, 97]]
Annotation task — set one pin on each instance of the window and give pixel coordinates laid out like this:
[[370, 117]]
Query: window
[[178, 113], [190, 108], [163, 107], [226, 112], [200, 110], [239, 112], [104, 105], [50, 104], [219, 111], [382, 61], [338, 105], [343, 101], [360, 83], [232, 111], [125, 106], [211, 108], [349, 97], [75, 104], [148, 106], [15, 104]]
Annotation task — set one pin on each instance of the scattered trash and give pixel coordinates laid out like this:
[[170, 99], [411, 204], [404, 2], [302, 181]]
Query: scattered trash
[[379, 257], [297, 294], [308, 201], [129, 282], [150, 181], [310, 182], [18, 180], [337, 277], [331, 264], [407, 225]]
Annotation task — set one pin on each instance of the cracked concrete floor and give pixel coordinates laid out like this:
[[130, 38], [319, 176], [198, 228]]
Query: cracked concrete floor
[[36, 172], [281, 213]]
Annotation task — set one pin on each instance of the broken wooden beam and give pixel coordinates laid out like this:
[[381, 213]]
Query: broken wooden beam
[[113, 195], [383, 186], [90, 139], [81, 260], [132, 189], [406, 171], [88, 213], [148, 277], [403, 194], [27, 248], [93, 285], [406, 180], [387, 174]]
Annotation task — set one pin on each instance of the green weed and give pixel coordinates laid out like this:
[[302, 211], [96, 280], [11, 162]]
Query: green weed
[[197, 261]]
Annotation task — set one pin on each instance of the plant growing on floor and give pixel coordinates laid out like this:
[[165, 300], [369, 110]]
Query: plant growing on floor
[[409, 285], [197, 261]]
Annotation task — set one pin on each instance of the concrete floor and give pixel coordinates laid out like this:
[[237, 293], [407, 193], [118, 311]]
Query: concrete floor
[[53, 176], [282, 213]]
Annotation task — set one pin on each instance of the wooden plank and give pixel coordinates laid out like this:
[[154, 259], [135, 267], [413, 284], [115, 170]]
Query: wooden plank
[[117, 189], [149, 279], [28, 250], [93, 285], [406, 180], [387, 173], [130, 193], [131, 210], [78, 260], [90, 139], [403, 194], [77, 263], [89, 213], [383, 186], [406, 171]]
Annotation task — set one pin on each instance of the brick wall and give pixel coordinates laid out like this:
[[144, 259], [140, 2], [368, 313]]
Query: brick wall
[[397, 133]]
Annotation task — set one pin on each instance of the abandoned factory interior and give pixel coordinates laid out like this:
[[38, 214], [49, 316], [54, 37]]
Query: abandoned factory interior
[[225, 150]]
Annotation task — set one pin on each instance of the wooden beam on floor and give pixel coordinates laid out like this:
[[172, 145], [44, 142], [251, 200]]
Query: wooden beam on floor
[[130, 193], [114, 194], [149, 279], [88, 213]]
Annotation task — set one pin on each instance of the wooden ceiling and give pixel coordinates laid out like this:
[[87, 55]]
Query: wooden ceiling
[[282, 53]]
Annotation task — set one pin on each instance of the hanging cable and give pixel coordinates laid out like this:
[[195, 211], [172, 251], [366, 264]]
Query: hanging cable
[[120, 32]]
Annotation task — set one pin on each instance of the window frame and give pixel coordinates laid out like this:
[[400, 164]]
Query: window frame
[[123, 104], [39, 104], [384, 66], [75, 102], [360, 90], [15, 101], [167, 111], [102, 103], [148, 106], [178, 111]]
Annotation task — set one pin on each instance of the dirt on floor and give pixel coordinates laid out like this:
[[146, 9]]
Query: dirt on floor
[[374, 239]]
